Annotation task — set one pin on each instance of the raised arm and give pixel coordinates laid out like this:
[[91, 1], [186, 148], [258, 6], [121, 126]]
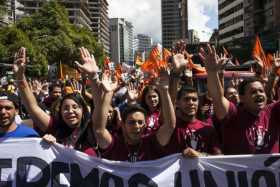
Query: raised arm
[[100, 113], [179, 64], [273, 78], [39, 117], [90, 69], [167, 110], [102, 93], [215, 88]]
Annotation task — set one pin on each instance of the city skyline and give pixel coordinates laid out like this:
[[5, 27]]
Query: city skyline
[[203, 16]]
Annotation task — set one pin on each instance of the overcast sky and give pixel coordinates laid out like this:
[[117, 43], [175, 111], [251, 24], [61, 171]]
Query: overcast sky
[[146, 17]]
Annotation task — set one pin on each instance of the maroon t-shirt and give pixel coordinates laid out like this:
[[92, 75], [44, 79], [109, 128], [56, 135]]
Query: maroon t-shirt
[[245, 133], [148, 149], [152, 122], [71, 140], [197, 135]]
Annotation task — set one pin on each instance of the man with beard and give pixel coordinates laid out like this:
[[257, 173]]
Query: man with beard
[[252, 126], [8, 126]]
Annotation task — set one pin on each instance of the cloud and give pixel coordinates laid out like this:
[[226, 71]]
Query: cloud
[[200, 14], [145, 15]]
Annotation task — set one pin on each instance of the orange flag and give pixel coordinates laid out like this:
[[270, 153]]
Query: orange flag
[[118, 71], [61, 75], [258, 52], [166, 54], [270, 59], [237, 62], [153, 63], [155, 55], [139, 61], [195, 67], [226, 52], [106, 62]]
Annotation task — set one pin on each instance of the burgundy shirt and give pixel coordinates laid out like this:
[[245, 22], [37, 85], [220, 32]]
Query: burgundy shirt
[[245, 133], [197, 135], [148, 149], [71, 140], [152, 121]]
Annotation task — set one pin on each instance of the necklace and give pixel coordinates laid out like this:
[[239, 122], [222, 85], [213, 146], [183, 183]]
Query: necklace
[[133, 151]]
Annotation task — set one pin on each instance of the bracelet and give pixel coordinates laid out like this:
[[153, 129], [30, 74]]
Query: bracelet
[[95, 77], [21, 83]]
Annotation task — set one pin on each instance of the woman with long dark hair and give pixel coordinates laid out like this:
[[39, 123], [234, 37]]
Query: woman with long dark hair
[[150, 101], [69, 124]]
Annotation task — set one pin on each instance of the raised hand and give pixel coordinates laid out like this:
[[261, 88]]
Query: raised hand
[[212, 61], [89, 67], [36, 87], [20, 62], [132, 92], [109, 84], [163, 79], [276, 62], [179, 63], [77, 87], [180, 47]]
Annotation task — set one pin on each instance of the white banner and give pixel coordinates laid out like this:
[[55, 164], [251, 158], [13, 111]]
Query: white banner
[[32, 162]]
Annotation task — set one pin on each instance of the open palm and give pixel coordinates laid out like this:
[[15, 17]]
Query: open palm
[[211, 60], [108, 84], [20, 62], [89, 65]]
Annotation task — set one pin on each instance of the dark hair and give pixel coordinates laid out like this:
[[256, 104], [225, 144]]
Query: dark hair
[[229, 88], [53, 85], [132, 109], [146, 90], [185, 89], [63, 130], [11, 97], [243, 85]]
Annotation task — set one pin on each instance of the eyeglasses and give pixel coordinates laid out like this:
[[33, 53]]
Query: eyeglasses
[[133, 122]]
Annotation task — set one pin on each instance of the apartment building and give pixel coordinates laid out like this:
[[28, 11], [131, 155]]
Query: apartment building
[[231, 20], [174, 21]]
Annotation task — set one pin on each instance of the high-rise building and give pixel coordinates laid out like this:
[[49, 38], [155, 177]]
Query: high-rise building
[[231, 20], [121, 36], [144, 45], [12, 12], [100, 23], [193, 37], [263, 18], [174, 21], [77, 9], [241, 20]]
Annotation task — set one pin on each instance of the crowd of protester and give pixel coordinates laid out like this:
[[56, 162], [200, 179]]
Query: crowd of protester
[[132, 119]]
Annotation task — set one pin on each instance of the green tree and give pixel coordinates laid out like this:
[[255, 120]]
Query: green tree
[[49, 38]]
